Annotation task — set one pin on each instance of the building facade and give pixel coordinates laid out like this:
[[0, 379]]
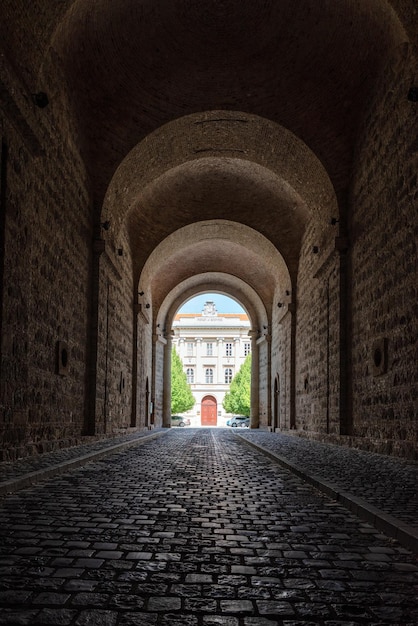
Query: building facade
[[212, 347]]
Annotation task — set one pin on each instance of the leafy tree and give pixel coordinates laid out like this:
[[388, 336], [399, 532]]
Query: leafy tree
[[238, 398], [182, 398]]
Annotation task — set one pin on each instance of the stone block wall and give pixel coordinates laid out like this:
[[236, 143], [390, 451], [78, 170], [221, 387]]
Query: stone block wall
[[160, 346], [263, 346], [115, 340], [318, 334], [281, 362], [144, 372], [47, 241], [384, 235]]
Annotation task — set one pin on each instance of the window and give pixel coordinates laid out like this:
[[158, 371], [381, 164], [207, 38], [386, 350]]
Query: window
[[228, 349], [209, 375], [228, 375], [190, 375], [209, 349], [247, 348], [189, 349]]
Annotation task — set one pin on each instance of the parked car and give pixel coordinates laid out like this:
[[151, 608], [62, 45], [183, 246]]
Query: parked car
[[178, 420], [239, 421]]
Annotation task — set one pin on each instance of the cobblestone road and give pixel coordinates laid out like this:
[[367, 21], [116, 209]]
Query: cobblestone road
[[389, 483], [195, 529]]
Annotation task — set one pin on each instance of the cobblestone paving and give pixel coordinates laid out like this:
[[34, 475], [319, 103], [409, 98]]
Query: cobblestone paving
[[389, 483], [195, 529], [16, 469]]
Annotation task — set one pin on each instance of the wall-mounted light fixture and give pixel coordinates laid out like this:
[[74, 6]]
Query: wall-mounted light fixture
[[105, 225], [413, 94], [40, 99]]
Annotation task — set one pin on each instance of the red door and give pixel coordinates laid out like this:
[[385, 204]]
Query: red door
[[209, 411]]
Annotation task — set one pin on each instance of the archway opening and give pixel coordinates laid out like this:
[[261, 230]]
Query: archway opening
[[210, 335]]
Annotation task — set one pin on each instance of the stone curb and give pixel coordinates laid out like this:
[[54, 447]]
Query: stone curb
[[27, 480], [387, 524]]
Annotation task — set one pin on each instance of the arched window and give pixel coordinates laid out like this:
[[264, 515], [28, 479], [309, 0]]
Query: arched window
[[209, 375], [190, 375], [228, 375]]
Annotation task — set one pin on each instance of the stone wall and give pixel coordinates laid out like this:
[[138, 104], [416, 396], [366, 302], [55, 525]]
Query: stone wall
[[160, 347], [47, 241], [52, 287], [263, 346], [384, 263], [144, 372], [281, 362], [318, 334], [115, 354]]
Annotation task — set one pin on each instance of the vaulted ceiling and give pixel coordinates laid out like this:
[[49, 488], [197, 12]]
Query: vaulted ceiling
[[133, 68], [135, 65]]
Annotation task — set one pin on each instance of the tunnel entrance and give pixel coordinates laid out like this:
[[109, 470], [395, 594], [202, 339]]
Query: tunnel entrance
[[210, 338]]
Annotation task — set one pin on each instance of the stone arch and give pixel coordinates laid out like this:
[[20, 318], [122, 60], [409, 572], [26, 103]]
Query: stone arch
[[231, 286], [184, 265], [206, 247], [226, 137], [79, 37]]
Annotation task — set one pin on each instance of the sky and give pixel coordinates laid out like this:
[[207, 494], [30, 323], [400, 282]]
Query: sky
[[223, 304]]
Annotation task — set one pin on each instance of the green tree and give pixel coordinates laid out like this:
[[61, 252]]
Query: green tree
[[238, 399], [182, 398]]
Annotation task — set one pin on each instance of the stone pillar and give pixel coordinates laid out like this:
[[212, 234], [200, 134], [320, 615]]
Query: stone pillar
[[345, 400], [199, 374], [267, 339], [292, 311], [93, 337], [3, 206], [181, 345], [167, 383], [255, 377], [237, 344], [135, 338], [220, 373]]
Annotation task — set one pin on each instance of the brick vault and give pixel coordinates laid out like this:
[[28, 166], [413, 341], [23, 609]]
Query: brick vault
[[155, 150]]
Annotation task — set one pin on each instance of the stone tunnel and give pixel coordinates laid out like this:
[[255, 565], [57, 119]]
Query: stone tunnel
[[152, 151]]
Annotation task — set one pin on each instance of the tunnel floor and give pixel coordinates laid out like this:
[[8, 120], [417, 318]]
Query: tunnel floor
[[195, 528]]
